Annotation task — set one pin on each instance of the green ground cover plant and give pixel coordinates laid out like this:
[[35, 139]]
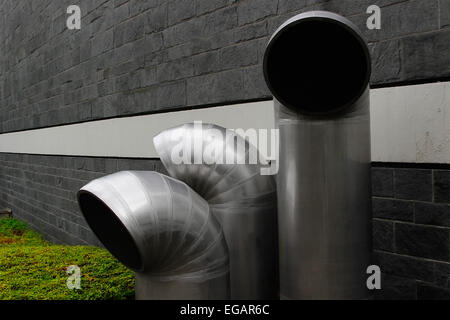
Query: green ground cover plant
[[33, 268]]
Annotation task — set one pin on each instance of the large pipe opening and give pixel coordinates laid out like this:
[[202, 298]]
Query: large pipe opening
[[110, 230], [317, 65]]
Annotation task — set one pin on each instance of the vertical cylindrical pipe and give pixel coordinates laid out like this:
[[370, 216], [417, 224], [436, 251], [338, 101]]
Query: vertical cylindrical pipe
[[318, 68]]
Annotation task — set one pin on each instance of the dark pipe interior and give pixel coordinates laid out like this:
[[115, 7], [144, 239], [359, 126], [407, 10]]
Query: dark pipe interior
[[109, 230], [317, 66]]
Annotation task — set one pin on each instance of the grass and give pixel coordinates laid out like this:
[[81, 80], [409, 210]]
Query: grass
[[33, 268]]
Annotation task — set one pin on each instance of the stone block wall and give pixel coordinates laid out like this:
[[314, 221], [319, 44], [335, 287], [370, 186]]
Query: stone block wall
[[144, 56], [411, 230]]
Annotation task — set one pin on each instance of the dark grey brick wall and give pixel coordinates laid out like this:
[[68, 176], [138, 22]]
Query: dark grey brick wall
[[41, 190], [411, 231], [137, 56]]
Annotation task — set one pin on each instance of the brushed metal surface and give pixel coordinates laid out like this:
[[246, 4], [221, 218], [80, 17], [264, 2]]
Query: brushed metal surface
[[324, 206], [160, 228], [150, 288], [323, 184], [241, 198]]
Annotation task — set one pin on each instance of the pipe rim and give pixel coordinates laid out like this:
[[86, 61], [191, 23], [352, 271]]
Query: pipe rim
[[319, 16], [137, 267]]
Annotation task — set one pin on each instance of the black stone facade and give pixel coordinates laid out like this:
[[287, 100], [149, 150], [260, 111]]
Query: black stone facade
[[143, 56], [411, 230]]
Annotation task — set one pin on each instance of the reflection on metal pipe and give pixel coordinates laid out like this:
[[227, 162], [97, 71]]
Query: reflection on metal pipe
[[241, 198], [318, 67], [164, 231]]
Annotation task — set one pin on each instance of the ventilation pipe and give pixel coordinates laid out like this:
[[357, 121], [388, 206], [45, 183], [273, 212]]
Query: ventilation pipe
[[317, 66], [161, 229], [243, 200]]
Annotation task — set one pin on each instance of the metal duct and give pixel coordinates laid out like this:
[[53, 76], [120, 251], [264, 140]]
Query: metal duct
[[243, 200], [161, 229], [317, 66]]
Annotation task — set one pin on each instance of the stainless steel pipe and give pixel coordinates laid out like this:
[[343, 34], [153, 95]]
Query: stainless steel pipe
[[317, 66], [164, 231], [243, 200]]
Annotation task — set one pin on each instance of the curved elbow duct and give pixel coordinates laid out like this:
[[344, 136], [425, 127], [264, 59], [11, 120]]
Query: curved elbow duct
[[243, 200], [164, 231], [317, 66]]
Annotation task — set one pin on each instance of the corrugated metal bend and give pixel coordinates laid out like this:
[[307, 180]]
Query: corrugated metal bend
[[243, 200], [163, 230]]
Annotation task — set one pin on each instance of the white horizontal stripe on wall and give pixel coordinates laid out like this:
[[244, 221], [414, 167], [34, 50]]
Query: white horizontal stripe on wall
[[130, 136], [409, 124]]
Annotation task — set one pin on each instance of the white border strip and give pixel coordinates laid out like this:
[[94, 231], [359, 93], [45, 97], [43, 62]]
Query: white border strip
[[130, 136], [409, 124]]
